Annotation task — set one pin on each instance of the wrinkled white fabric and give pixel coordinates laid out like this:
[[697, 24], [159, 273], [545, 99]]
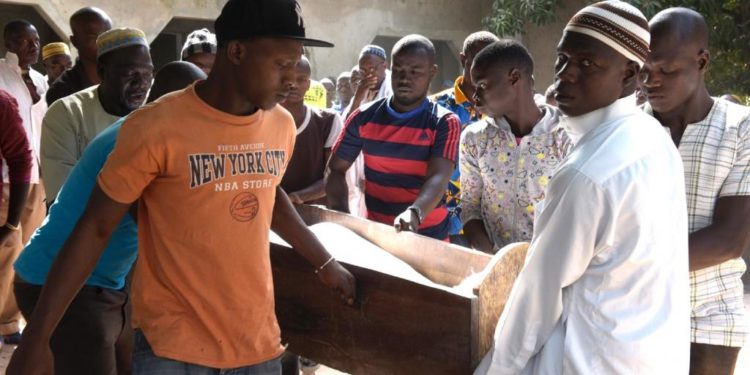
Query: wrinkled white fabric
[[605, 285]]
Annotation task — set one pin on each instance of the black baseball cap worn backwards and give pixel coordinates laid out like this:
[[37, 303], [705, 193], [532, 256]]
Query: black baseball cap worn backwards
[[245, 19]]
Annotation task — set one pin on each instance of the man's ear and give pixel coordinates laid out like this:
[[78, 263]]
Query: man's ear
[[514, 75], [235, 51], [462, 58], [74, 41], [100, 69], [704, 59], [630, 78], [433, 71]]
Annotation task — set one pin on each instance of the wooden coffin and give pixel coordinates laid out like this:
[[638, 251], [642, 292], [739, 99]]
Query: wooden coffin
[[396, 326]]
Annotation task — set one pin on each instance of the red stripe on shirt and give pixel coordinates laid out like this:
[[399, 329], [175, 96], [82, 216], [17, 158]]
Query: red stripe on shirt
[[385, 164], [391, 194], [435, 217], [454, 134], [397, 134]]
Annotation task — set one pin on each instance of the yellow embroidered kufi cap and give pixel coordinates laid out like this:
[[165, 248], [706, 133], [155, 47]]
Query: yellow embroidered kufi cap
[[54, 49], [119, 38]]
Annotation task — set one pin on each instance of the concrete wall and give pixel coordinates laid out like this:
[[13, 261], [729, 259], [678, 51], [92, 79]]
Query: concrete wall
[[349, 24], [354, 23], [148, 15]]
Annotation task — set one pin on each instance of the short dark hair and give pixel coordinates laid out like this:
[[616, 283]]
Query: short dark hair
[[89, 13], [414, 43], [479, 38], [506, 52], [14, 27], [174, 76]]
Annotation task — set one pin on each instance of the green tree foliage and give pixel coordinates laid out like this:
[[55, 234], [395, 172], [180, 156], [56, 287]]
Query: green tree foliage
[[509, 17], [729, 21]]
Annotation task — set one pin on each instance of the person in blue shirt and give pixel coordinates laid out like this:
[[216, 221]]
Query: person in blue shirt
[[459, 100], [94, 335]]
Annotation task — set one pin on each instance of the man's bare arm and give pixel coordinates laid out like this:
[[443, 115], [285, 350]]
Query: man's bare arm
[[337, 191], [289, 225], [477, 236], [726, 238], [315, 191], [73, 265], [17, 195], [438, 173]]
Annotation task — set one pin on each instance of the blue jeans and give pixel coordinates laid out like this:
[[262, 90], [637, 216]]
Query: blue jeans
[[145, 362]]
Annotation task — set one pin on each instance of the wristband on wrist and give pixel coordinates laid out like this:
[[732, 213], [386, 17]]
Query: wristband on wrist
[[13, 227], [331, 259]]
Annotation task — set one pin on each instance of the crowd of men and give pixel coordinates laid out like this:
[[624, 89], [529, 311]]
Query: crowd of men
[[629, 180]]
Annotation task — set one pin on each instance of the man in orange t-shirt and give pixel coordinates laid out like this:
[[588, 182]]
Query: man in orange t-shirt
[[206, 163]]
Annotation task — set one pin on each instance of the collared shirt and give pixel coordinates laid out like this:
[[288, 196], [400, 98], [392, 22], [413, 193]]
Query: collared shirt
[[604, 288], [503, 180], [716, 155], [11, 81], [456, 101], [70, 124], [70, 82]]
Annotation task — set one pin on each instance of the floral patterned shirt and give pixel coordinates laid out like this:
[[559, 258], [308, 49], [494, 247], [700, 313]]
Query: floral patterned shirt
[[502, 178]]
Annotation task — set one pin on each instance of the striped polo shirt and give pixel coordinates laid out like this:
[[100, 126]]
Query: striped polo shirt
[[397, 148]]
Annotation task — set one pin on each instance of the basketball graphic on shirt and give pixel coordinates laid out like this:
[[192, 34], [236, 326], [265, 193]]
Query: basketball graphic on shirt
[[244, 207]]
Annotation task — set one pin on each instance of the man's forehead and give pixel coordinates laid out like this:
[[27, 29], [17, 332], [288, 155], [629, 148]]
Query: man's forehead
[[584, 45], [474, 50], [90, 25], [58, 58], [369, 60], [663, 47], [668, 55], [25, 32], [303, 69], [128, 57], [278, 46], [411, 57], [488, 71]]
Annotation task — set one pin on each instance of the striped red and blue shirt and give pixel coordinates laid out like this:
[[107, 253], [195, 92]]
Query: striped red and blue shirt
[[397, 148]]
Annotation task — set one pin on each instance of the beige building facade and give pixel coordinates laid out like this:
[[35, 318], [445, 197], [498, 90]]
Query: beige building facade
[[350, 24]]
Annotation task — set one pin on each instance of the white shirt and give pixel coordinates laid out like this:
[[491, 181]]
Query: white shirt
[[31, 114], [605, 285]]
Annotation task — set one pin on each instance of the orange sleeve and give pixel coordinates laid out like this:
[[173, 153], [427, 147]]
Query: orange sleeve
[[138, 158]]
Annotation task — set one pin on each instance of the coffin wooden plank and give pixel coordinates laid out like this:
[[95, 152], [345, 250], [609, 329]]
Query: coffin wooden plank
[[441, 262], [493, 293], [395, 327]]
